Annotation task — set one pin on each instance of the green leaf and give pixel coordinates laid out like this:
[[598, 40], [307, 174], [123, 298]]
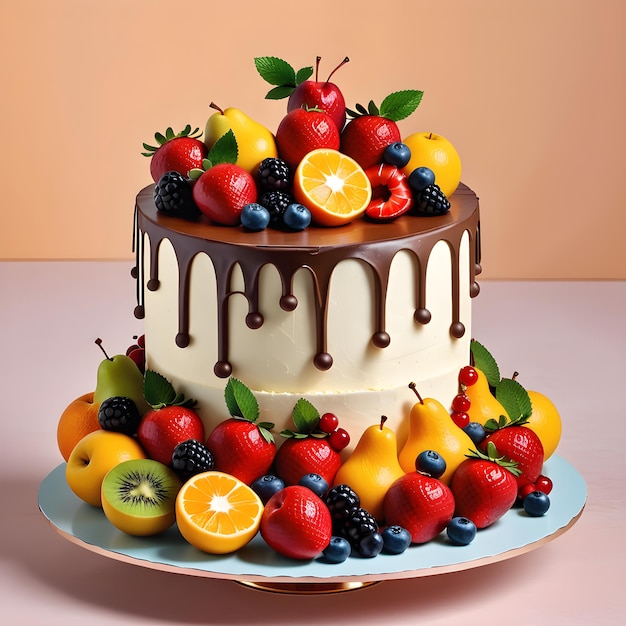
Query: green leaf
[[372, 109], [485, 363], [304, 73], [400, 104], [240, 401], [195, 173], [280, 92], [514, 398], [157, 390], [224, 150], [275, 71], [305, 416]]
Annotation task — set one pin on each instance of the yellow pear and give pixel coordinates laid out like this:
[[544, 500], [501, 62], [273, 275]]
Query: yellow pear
[[483, 404], [432, 428], [254, 141], [372, 467]]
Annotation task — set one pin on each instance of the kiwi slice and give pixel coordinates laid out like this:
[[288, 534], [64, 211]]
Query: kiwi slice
[[139, 496]]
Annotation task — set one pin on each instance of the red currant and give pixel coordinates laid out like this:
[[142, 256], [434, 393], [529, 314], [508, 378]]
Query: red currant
[[543, 484], [461, 403], [525, 490], [460, 418], [468, 376], [339, 439], [328, 423]]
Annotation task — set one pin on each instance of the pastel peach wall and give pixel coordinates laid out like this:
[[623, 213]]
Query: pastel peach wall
[[532, 94]]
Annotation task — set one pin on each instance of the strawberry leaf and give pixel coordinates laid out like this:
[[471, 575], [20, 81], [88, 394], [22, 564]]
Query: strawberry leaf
[[485, 363], [305, 416], [240, 401], [400, 104], [159, 392], [224, 150], [515, 399]]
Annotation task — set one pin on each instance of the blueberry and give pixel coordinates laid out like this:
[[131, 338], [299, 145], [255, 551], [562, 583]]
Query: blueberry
[[396, 539], [420, 178], [337, 550], [475, 431], [296, 216], [536, 503], [461, 531], [431, 463], [371, 545], [255, 217], [316, 483], [266, 486], [398, 154]]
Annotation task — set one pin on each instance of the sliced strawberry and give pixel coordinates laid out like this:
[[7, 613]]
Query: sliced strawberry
[[175, 152], [391, 194]]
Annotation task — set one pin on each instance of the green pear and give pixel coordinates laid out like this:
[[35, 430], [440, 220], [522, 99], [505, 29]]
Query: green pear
[[372, 467], [254, 141], [432, 428], [119, 376]]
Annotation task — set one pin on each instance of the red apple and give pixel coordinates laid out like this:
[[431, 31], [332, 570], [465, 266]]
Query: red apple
[[296, 523]]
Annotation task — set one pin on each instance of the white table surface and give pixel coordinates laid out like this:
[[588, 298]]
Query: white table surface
[[567, 339]]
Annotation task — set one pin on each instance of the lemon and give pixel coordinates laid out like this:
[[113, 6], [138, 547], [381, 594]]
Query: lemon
[[545, 422]]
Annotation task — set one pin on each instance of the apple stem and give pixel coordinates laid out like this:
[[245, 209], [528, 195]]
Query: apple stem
[[383, 419], [515, 375], [214, 106], [413, 386], [342, 63], [98, 342], [317, 67]]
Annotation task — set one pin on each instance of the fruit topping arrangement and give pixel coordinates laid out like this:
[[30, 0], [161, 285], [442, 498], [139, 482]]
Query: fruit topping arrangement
[[325, 164], [138, 450]]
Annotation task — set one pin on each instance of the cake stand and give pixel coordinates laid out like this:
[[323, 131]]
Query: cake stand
[[259, 567]]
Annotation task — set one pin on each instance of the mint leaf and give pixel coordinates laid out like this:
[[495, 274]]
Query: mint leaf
[[305, 416], [280, 92], [485, 363], [304, 73], [224, 150], [279, 73], [514, 398], [157, 390], [400, 104], [240, 401]]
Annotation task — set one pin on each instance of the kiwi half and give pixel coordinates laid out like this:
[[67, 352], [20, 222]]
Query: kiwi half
[[139, 496]]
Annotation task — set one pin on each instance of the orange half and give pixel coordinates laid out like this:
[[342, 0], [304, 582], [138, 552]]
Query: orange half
[[217, 513], [332, 186]]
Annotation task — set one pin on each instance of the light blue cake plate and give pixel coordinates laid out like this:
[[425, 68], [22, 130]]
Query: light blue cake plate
[[258, 566]]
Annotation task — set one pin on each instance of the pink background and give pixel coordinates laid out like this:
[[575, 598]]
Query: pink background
[[531, 94]]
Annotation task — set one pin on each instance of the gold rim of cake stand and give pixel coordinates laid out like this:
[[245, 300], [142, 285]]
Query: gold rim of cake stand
[[307, 588]]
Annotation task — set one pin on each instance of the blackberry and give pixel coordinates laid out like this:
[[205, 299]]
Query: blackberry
[[359, 525], [431, 201], [342, 501], [191, 457], [119, 414], [276, 202], [274, 175], [173, 195]]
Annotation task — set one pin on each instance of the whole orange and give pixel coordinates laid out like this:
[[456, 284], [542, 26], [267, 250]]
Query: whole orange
[[78, 419]]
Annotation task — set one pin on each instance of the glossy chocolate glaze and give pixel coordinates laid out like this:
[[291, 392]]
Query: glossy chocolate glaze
[[317, 249]]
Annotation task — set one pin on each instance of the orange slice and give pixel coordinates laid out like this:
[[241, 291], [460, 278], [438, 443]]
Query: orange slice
[[217, 513], [332, 186]]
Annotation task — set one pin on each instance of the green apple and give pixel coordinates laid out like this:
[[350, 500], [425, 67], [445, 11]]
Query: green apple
[[119, 376], [254, 141]]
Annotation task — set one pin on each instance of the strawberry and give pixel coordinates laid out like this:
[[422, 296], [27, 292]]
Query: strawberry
[[303, 130], [306, 450], [484, 487], [372, 129], [421, 504], [240, 445], [175, 152], [170, 422]]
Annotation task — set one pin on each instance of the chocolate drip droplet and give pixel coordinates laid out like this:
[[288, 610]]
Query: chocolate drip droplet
[[182, 340], [474, 289], [254, 320], [139, 312], [381, 339], [323, 361], [457, 330], [153, 284], [422, 316], [288, 303], [477, 268], [223, 369], [134, 272]]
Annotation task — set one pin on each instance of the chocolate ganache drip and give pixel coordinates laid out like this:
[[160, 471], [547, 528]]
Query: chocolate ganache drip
[[317, 250]]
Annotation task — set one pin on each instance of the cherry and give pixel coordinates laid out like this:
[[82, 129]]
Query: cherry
[[525, 490], [543, 484], [461, 403], [460, 418], [468, 376], [339, 439], [328, 423]]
